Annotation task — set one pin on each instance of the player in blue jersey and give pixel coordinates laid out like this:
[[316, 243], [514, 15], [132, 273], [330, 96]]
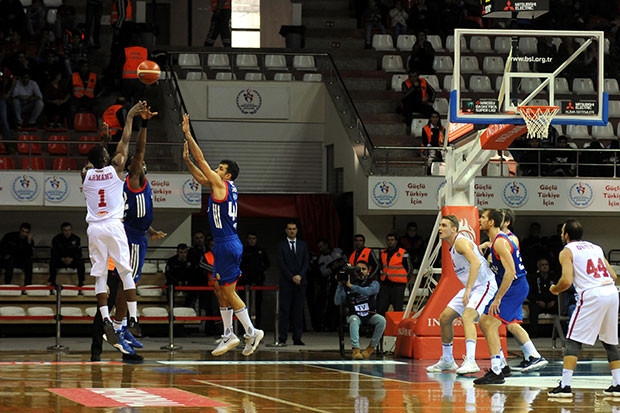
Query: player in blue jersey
[[137, 221], [227, 249], [513, 288]]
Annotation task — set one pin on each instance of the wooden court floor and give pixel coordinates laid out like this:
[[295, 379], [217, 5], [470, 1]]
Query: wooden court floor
[[271, 381]]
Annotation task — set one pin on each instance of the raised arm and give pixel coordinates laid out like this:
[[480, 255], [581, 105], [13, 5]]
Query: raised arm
[[215, 182], [122, 149], [136, 169]]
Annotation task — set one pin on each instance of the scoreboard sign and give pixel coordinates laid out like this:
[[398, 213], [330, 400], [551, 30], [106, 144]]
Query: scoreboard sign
[[504, 9]]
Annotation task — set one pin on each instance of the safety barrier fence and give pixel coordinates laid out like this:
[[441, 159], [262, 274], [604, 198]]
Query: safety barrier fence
[[171, 318]]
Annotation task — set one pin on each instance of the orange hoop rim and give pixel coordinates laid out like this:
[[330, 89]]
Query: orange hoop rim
[[546, 108]]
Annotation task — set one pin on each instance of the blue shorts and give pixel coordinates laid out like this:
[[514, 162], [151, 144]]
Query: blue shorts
[[137, 252], [226, 260], [511, 307]]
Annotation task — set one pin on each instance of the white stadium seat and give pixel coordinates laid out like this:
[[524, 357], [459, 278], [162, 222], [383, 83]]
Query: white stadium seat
[[469, 64], [480, 83], [154, 312], [442, 106], [443, 64], [603, 132], [583, 86], [433, 81], [275, 62], [493, 64], [189, 60], [218, 61], [450, 44], [611, 87], [405, 42], [392, 63], [225, 76], [304, 62], [246, 61], [397, 81], [502, 44], [528, 45], [480, 44], [283, 77], [382, 42], [561, 85], [435, 41], [254, 76], [312, 77]]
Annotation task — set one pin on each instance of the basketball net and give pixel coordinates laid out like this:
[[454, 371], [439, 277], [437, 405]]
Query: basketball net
[[537, 119]]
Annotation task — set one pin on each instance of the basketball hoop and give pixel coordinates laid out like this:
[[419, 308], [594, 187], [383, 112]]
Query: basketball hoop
[[538, 119]]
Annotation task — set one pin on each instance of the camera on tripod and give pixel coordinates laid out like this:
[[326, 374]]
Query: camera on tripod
[[348, 272]]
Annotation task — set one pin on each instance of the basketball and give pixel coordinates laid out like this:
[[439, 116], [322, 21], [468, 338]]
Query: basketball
[[148, 72]]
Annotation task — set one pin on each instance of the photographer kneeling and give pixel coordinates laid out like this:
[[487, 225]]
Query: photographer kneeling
[[360, 293]]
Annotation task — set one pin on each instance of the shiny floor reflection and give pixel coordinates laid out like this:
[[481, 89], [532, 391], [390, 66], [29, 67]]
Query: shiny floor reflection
[[279, 382]]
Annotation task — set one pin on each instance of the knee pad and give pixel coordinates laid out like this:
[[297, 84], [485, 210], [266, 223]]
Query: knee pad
[[101, 284], [612, 352], [127, 280], [572, 348]]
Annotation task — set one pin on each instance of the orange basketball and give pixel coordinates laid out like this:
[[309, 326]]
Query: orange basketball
[[148, 72]]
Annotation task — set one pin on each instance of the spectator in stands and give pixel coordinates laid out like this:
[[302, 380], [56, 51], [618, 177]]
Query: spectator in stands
[[35, 19], [254, 263], [65, 17], [533, 248], [114, 117], [592, 160], [529, 160], [13, 17], [359, 293], [66, 253], [422, 56], [131, 87], [398, 18], [363, 253], [395, 270], [432, 136], [418, 97], [220, 23], [27, 98], [330, 261], [56, 99], [7, 83], [562, 161], [374, 20], [414, 244], [540, 298], [16, 251], [49, 63], [199, 275], [178, 267], [420, 16], [121, 19], [22, 63], [85, 87], [547, 49], [94, 11]]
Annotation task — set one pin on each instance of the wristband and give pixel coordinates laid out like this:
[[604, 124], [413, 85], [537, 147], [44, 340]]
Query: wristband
[[145, 123]]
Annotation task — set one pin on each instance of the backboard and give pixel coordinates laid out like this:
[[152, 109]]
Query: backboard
[[503, 69]]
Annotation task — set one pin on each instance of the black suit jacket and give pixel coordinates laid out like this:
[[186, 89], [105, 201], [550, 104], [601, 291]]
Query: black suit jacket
[[292, 264]]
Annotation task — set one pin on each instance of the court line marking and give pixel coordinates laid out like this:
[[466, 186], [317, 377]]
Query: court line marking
[[288, 362], [262, 396]]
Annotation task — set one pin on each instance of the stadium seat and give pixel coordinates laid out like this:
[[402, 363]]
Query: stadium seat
[[523, 67], [149, 290], [502, 44], [196, 76], [8, 293], [283, 77], [583, 86], [12, 311], [52, 3], [469, 64], [443, 64], [6, 162], [561, 85], [38, 292], [604, 132], [433, 81], [254, 76], [442, 106], [51, 16], [417, 125], [397, 81], [55, 147], [480, 44], [304, 62], [539, 102], [28, 148], [392, 63], [34, 163], [218, 61], [614, 108], [528, 45], [405, 42], [480, 83], [85, 122], [275, 62], [450, 44], [154, 312], [493, 64], [225, 76], [40, 311], [498, 82], [435, 41], [3, 150], [189, 61], [447, 83], [611, 87], [67, 311], [382, 42], [86, 143], [64, 164], [313, 77], [246, 61], [184, 312], [91, 311], [528, 84], [577, 132]]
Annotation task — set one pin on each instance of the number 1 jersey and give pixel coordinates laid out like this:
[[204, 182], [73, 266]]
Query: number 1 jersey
[[103, 190]]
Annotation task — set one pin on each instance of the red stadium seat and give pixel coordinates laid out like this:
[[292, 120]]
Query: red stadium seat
[[85, 122], [35, 163], [3, 150], [28, 148], [64, 164], [55, 147], [87, 142], [6, 162]]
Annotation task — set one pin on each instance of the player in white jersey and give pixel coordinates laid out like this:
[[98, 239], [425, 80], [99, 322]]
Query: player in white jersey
[[584, 266], [479, 288], [103, 182]]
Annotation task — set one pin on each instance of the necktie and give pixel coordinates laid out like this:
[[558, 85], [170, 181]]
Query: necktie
[[293, 246]]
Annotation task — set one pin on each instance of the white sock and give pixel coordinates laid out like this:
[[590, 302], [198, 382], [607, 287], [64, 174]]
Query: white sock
[[496, 364], [105, 312], [567, 377], [124, 323], [529, 350], [118, 325], [615, 375], [244, 317], [470, 349], [446, 352], [227, 319], [132, 306]]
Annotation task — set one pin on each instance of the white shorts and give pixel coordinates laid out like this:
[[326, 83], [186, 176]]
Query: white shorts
[[108, 239], [481, 295], [596, 315]]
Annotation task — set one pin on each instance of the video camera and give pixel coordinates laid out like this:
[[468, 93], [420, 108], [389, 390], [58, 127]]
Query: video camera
[[348, 272]]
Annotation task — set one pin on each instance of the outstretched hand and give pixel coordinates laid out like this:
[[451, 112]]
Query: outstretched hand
[[145, 112], [185, 123], [135, 109]]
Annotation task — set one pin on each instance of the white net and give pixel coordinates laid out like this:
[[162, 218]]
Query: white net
[[537, 119]]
